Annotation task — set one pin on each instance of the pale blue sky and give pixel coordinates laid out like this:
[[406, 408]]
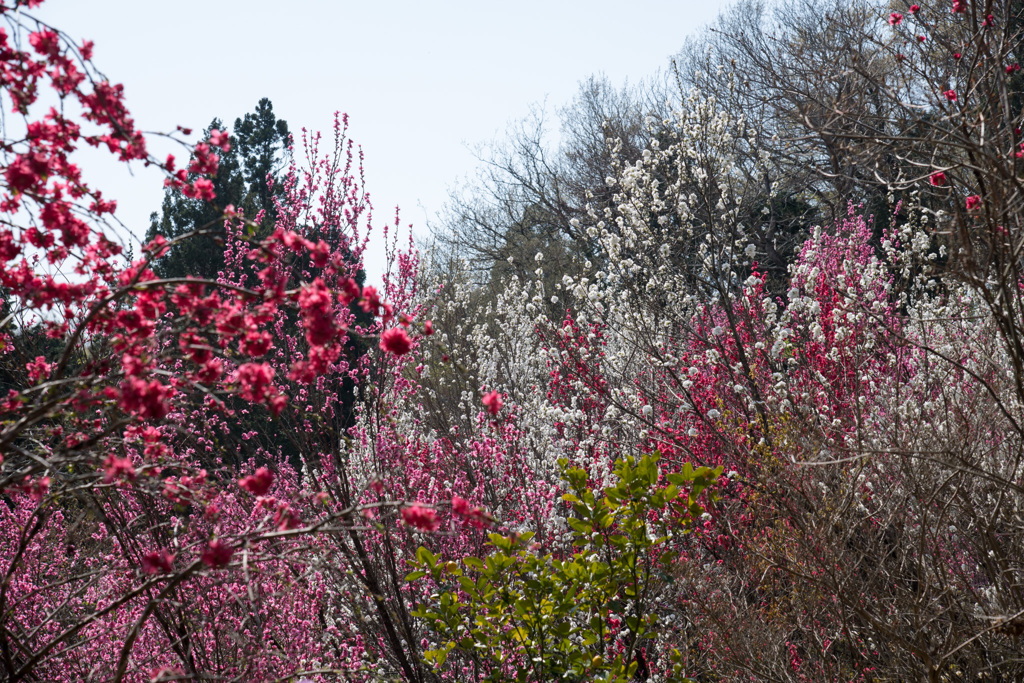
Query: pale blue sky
[[422, 82]]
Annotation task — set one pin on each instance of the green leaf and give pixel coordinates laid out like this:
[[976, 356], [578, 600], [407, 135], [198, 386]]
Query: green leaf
[[427, 558], [580, 526], [412, 576]]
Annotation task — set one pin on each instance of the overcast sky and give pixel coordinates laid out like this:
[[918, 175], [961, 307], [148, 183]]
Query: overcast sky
[[423, 83]]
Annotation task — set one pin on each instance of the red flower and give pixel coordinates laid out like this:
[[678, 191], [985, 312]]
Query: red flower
[[973, 202], [420, 517], [959, 6], [914, 9], [475, 516], [957, 56], [370, 303], [45, 43], [114, 468], [145, 399], [257, 483], [158, 562], [950, 95], [895, 18], [396, 341], [255, 381], [938, 179], [217, 553], [428, 328], [493, 402], [921, 39], [316, 303]]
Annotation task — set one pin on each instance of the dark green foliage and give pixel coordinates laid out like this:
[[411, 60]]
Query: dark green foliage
[[203, 256], [262, 141]]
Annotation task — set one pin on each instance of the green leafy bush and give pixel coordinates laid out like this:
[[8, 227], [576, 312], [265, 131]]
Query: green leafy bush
[[523, 614]]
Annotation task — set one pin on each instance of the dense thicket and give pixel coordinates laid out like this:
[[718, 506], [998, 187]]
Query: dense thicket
[[726, 386]]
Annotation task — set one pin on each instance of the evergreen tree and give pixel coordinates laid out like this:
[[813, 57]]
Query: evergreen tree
[[263, 142], [259, 147]]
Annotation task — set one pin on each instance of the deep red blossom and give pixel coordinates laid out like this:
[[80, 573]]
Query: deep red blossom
[[27, 171], [420, 517], [211, 371], [217, 553], [255, 381], [148, 400], [895, 18], [45, 42], [396, 341], [950, 95], [973, 202], [370, 302], [349, 291], [316, 304], [937, 178], [286, 517], [959, 6], [204, 160], [257, 483], [914, 9], [158, 561]]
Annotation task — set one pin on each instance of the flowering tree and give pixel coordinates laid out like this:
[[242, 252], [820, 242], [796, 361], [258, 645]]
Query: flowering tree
[[132, 547]]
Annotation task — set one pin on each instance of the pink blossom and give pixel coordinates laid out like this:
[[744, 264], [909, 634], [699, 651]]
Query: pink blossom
[[475, 516], [895, 18], [115, 468], [973, 202], [937, 178], [38, 369], [493, 402], [219, 138]]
